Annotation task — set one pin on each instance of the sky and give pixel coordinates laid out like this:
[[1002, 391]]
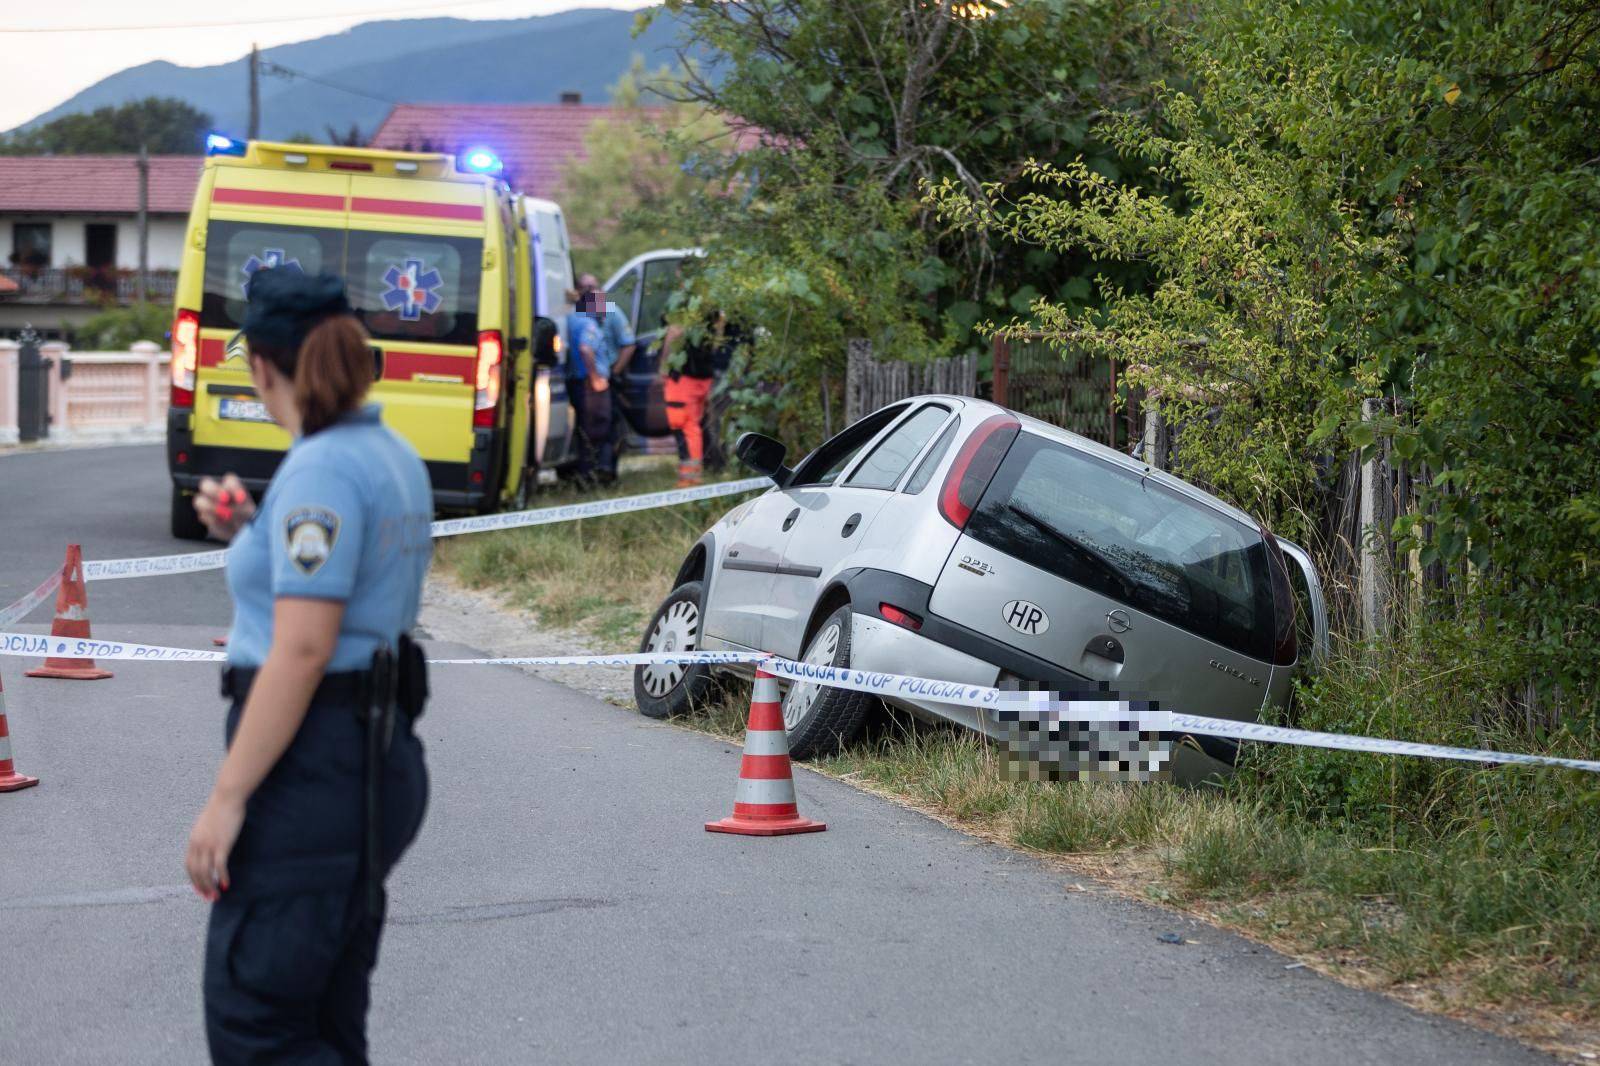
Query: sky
[[71, 44]]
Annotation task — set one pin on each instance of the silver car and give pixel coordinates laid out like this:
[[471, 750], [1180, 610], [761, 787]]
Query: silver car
[[949, 538]]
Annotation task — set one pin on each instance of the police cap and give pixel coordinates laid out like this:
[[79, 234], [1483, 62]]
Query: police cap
[[285, 304]]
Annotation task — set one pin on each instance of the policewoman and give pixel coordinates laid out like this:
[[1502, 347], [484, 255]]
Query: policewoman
[[323, 785]]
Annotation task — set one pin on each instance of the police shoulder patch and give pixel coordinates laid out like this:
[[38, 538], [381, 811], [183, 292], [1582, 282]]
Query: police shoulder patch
[[309, 534]]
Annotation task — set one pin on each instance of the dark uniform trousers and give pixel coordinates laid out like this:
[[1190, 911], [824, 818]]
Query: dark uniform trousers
[[291, 946], [593, 410]]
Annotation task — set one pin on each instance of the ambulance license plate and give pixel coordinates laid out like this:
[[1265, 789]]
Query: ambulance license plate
[[243, 411]]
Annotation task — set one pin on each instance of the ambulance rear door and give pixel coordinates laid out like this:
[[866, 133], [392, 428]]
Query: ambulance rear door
[[258, 217], [415, 263]]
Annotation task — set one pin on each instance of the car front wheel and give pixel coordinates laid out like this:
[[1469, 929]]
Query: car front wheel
[[821, 719], [664, 690]]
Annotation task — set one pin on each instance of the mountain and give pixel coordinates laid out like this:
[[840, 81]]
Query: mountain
[[355, 76]]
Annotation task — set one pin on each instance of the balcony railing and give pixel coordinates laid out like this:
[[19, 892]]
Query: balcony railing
[[81, 285]]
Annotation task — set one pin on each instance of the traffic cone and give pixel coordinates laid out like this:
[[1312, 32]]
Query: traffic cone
[[72, 620], [10, 780], [764, 804]]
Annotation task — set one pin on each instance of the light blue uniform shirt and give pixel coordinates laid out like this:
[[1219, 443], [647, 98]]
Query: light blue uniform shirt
[[345, 518], [618, 335], [583, 328]]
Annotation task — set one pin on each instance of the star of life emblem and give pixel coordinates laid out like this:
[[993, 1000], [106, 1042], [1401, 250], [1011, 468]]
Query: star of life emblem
[[413, 291], [269, 257]]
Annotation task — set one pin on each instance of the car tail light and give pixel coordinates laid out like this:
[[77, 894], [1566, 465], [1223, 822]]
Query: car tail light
[[490, 352], [899, 617], [185, 357], [1286, 642], [974, 465]]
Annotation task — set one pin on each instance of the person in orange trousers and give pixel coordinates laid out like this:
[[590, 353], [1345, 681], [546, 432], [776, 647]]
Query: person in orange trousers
[[687, 373]]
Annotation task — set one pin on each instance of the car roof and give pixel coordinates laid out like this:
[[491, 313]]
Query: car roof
[[1084, 444]]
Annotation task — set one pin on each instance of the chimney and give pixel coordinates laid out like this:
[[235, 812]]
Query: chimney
[[570, 97]]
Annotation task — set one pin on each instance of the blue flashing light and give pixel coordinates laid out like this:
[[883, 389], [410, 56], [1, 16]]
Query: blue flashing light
[[220, 144], [481, 161]]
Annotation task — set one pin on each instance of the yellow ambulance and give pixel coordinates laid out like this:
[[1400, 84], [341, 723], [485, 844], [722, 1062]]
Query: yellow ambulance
[[436, 265]]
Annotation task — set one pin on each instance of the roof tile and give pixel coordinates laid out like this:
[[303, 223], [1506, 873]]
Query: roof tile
[[96, 184]]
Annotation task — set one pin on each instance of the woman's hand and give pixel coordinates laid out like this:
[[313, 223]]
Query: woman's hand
[[210, 842], [224, 507]]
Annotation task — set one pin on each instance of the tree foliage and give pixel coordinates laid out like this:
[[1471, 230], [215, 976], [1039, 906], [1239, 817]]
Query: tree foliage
[[845, 106], [1374, 202], [163, 126]]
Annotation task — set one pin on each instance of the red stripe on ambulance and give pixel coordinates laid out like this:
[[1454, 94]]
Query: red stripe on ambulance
[[403, 366], [417, 208], [264, 198]]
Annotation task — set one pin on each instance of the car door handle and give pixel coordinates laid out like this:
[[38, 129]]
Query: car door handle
[[787, 522], [850, 525]]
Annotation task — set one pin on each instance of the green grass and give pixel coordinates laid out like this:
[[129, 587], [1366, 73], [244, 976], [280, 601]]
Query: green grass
[[1481, 884]]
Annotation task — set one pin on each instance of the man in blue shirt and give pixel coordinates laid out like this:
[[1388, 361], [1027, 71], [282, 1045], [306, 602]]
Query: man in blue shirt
[[589, 385], [620, 339]]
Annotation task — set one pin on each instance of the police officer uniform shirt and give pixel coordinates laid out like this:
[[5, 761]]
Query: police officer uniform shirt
[[325, 532]]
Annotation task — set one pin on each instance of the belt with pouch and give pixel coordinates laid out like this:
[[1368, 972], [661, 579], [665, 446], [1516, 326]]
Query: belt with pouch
[[397, 682]]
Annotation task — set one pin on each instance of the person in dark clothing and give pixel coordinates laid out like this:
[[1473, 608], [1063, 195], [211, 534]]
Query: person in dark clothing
[[589, 386]]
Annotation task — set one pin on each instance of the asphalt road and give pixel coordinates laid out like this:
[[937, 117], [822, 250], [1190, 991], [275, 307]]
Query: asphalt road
[[563, 903]]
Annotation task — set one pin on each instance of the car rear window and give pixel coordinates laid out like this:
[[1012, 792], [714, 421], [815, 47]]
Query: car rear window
[[1129, 538], [415, 288], [236, 250]]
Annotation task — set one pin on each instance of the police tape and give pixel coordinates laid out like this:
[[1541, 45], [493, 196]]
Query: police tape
[[1003, 704], [157, 565], [22, 608]]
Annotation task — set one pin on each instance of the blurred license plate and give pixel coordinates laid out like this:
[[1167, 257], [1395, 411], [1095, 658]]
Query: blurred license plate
[[244, 411]]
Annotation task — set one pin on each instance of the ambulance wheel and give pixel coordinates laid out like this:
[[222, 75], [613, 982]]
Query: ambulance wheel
[[820, 719], [667, 690], [186, 525]]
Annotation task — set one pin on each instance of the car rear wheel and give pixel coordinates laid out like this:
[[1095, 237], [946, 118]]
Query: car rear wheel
[[668, 689], [186, 525], [821, 719]]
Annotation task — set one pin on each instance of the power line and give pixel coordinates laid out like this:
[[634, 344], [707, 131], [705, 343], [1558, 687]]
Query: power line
[[269, 67], [249, 22]]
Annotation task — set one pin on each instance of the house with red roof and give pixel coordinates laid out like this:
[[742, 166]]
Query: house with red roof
[[69, 237], [534, 141]]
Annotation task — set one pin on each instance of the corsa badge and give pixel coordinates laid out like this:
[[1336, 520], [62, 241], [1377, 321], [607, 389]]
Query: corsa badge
[[309, 534]]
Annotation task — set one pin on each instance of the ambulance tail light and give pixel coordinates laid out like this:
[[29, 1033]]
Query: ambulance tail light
[[491, 350], [185, 357]]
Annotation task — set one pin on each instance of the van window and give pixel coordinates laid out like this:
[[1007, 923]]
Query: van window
[[623, 295], [660, 281], [416, 288], [1129, 538], [236, 250], [882, 468]]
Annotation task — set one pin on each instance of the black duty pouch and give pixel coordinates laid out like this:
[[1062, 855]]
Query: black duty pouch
[[411, 677]]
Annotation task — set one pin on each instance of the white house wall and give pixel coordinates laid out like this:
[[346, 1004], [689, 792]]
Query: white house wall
[[67, 239]]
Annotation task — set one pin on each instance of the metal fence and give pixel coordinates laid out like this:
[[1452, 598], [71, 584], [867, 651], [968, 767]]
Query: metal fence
[[83, 285], [1075, 390]]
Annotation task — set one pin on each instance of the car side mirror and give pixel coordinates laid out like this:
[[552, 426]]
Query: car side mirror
[[764, 455], [546, 342]]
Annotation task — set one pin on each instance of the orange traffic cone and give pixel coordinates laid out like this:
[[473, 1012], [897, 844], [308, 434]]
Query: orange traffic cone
[[10, 780], [72, 620], [764, 804]]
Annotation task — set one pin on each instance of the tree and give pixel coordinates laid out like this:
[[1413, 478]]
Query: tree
[[164, 126], [1376, 203], [641, 169], [843, 108]]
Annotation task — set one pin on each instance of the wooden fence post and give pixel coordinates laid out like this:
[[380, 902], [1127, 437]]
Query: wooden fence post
[[1001, 393], [1153, 449], [858, 354], [1377, 520]]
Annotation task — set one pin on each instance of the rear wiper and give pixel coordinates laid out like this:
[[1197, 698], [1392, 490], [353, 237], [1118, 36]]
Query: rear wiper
[[1083, 551]]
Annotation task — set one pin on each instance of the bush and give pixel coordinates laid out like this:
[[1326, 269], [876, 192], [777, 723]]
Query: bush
[[116, 329]]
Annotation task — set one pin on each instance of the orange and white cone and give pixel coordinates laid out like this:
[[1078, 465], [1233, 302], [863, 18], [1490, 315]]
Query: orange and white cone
[[72, 621], [764, 804], [10, 780]]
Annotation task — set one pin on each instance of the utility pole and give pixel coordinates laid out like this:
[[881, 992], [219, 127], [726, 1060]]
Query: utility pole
[[144, 222], [255, 93]]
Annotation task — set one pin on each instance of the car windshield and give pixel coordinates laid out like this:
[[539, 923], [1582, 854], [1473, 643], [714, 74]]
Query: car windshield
[[1127, 537]]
